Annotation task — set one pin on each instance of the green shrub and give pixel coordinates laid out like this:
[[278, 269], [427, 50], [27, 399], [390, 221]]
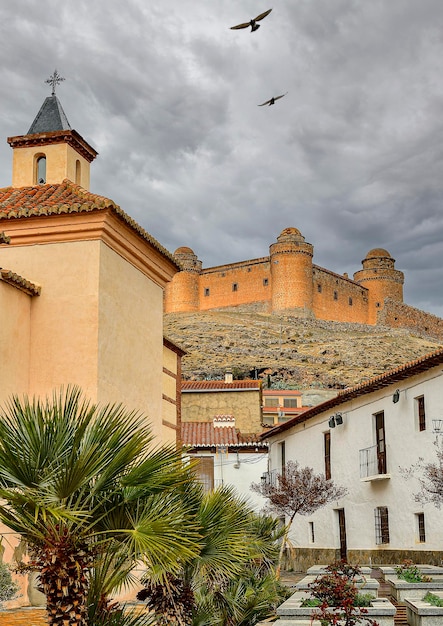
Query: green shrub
[[433, 599], [410, 573], [8, 588], [311, 602]]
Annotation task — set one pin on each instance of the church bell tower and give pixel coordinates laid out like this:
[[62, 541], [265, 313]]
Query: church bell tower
[[51, 151]]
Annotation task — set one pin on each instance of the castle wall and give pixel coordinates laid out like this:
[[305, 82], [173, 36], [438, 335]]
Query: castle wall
[[288, 282], [235, 284], [399, 315], [336, 298], [182, 293]]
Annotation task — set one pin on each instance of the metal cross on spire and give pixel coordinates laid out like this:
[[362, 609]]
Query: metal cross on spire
[[54, 80]]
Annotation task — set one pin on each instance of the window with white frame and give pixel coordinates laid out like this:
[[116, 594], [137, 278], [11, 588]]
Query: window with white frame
[[381, 525]]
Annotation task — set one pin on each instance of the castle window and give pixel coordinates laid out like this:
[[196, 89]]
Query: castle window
[[206, 291], [350, 301], [319, 288], [265, 282], [335, 295], [223, 274], [77, 172], [377, 304], [234, 286], [41, 170], [249, 269]]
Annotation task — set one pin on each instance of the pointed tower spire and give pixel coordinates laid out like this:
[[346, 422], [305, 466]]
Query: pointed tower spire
[[51, 151]]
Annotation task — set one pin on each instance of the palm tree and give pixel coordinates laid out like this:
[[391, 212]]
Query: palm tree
[[237, 552], [78, 480]]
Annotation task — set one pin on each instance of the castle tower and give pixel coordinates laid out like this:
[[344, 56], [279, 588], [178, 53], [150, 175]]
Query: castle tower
[[291, 272], [381, 279], [51, 151], [182, 293]]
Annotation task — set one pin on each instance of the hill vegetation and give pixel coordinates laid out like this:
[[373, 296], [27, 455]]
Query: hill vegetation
[[290, 351]]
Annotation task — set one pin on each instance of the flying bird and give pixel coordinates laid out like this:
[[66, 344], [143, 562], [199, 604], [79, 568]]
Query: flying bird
[[252, 23], [272, 100]]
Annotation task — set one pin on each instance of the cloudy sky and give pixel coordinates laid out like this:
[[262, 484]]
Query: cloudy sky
[[167, 94]]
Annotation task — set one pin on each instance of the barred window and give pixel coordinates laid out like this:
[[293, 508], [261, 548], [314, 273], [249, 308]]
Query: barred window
[[381, 525], [421, 527], [421, 413]]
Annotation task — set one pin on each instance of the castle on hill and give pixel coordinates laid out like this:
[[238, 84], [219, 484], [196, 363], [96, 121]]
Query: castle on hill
[[287, 281]]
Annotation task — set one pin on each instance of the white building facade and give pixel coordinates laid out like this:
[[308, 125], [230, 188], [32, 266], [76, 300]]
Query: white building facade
[[362, 439]]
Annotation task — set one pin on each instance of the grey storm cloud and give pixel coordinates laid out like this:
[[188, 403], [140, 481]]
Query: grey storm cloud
[[168, 95]]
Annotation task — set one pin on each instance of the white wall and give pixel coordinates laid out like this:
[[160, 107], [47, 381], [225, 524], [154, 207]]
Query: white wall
[[405, 444]]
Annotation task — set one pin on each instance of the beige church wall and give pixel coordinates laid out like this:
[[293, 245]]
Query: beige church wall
[[171, 413], [15, 313], [64, 318], [243, 405], [130, 338]]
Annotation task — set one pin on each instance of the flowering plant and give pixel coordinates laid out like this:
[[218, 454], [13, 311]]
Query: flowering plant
[[338, 595], [410, 573]]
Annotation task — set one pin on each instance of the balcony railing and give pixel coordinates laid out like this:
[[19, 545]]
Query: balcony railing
[[270, 478], [372, 464]]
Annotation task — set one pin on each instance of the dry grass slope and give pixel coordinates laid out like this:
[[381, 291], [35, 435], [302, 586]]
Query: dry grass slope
[[296, 352]]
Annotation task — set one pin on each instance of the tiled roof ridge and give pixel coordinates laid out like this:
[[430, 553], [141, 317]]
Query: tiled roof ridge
[[221, 384], [383, 380], [387, 375], [204, 435], [17, 202], [12, 278]]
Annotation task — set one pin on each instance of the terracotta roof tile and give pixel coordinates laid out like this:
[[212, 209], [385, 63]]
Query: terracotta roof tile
[[205, 435], [219, 385], [18, 281], [66, 197]]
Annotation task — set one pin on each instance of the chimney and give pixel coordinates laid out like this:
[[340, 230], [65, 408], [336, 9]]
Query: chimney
[[228, 376]]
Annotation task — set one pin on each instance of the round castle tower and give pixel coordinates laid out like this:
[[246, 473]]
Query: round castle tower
[[182, 293], [291, 272], [381, 279]]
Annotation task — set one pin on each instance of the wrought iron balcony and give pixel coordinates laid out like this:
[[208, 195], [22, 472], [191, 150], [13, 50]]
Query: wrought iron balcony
[[373, 464], [270, 478]]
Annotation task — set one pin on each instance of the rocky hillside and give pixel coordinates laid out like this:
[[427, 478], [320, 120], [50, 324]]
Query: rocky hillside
[[293, 352]]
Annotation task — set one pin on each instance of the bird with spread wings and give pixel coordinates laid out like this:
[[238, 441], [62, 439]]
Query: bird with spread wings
[[271, 100], [252, 23]]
